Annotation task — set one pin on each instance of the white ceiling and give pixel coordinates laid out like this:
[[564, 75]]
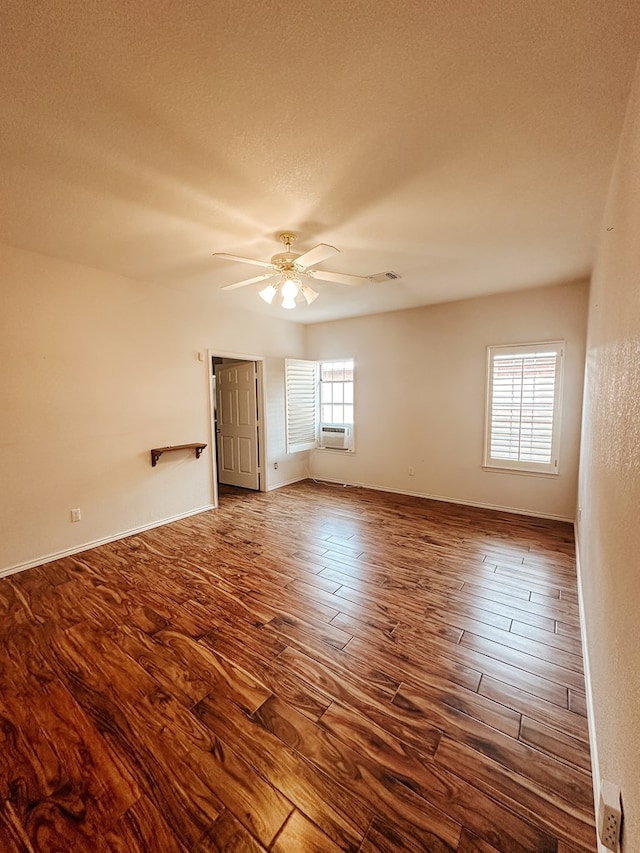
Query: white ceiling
[[465, 145]]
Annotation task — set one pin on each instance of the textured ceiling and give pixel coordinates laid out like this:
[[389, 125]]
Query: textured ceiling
[[465, 145]]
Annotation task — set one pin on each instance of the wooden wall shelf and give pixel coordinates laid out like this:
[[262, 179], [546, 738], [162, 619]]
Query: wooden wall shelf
[[156, 452]]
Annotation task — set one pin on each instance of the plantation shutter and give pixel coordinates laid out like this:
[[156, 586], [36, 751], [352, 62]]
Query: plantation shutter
[[523, 426], [301, 380]]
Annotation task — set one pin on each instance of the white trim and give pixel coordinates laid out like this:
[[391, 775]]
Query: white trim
[[288, 483], [86, 546], [593, 744], [458, 501], [494, 469]]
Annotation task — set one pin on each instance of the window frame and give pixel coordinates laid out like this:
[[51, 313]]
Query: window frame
[[333, 382], [524, 466], [312, 371]]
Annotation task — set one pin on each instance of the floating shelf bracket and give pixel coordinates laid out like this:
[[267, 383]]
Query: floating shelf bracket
[[156, 452]]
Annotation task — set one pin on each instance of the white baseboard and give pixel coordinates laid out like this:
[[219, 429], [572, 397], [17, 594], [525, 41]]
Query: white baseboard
[[287, 483], [85, 546], [48, 558], [458, 501], [593, 744]]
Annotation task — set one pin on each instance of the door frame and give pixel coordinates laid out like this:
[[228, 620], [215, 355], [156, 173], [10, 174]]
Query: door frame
[[258, 360]]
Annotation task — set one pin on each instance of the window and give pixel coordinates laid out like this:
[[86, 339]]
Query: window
[[523, 407], [319, 405], [336, 392]]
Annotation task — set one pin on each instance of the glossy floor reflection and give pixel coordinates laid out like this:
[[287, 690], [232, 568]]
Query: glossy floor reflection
[[312, 669]]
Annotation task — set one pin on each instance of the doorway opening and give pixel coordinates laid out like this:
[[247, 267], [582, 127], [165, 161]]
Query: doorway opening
[[236, 423]]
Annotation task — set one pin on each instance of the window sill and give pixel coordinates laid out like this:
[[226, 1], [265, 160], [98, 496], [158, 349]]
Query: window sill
[[499, 469]]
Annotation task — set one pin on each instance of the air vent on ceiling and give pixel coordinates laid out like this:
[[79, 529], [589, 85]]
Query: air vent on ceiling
[[390, 275]]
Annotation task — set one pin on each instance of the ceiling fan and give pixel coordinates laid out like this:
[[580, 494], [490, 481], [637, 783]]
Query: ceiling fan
[[289, 269]]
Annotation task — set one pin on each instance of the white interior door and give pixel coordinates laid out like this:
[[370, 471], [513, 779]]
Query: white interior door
[[237, 424]]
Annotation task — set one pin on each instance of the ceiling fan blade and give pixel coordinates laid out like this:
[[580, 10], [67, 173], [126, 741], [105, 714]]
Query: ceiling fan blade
[[338, 277], [248, 281], [242, 260], [319, 253]]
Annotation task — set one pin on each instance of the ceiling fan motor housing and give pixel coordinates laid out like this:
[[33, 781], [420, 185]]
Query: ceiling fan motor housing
[[284, 259]]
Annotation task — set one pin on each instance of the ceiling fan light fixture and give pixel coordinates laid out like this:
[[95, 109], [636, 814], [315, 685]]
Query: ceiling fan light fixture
[[309, 293], [290, 288], [288, 302], [268, 293], [290, 270]]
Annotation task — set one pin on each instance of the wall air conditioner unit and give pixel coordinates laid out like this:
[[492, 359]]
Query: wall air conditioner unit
[[335, 437]]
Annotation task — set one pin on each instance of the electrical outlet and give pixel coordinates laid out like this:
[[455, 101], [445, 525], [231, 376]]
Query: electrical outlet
[[275, 466], [411, 472], [76, 515], [609, 815]]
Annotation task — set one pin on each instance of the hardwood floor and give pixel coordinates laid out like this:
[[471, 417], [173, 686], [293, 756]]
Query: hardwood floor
[[313, 669]]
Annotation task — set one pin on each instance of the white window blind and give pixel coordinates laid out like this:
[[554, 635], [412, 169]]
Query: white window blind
[[523, 407], [301, 380]]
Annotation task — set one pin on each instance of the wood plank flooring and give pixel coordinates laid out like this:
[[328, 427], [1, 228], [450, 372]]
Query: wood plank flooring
[[313, 669]]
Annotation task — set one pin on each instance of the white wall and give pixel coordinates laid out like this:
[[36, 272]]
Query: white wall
[[609, 531], [420, 397], [96, 369]]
